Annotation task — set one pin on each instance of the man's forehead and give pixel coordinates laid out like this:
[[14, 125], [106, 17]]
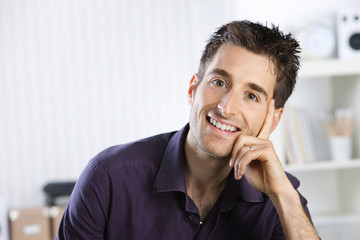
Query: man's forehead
[[227, 52]]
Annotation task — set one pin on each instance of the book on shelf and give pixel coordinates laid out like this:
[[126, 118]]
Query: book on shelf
[[306, 141]]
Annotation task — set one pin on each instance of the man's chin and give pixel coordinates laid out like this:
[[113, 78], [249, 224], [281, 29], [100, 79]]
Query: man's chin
[[220, 154], [220, 151]]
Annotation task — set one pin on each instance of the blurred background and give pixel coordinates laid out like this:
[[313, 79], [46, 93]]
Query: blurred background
[[78, 76]]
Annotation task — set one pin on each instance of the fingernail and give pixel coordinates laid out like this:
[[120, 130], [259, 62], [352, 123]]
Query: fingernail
[[231, 163]]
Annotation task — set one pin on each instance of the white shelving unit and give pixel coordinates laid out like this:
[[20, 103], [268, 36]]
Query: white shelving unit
[[324, 166], [329, 68], [332, 188]]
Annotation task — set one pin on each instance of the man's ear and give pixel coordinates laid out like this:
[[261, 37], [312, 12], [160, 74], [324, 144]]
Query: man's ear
[[191, 90], [277, 116]]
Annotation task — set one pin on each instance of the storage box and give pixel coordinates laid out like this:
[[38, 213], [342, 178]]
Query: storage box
[[29, 224], [56, 213]]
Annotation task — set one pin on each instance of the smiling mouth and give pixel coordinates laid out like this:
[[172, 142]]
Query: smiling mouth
[[223, 127]]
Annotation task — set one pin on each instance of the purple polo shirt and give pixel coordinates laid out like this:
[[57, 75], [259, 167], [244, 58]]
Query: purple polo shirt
[[138, 191]]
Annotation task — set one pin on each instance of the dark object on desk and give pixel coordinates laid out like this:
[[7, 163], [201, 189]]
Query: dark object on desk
[[56, 190]]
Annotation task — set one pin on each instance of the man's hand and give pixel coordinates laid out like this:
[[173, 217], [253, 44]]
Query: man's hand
[[255, 158]]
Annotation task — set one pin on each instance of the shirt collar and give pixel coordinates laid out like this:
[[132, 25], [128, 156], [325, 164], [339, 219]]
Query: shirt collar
[[243, 191], [171, 175]]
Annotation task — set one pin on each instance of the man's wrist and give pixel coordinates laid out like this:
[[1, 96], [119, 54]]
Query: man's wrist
[[295, 222], [287, 200]]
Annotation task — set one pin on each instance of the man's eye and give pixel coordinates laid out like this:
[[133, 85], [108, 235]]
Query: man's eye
[[219, 83], [252, 97]]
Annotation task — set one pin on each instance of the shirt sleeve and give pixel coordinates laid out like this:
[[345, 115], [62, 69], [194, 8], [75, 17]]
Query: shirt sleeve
[[85, 216]]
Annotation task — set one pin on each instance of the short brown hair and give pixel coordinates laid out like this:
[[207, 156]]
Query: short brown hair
[[282, 49]]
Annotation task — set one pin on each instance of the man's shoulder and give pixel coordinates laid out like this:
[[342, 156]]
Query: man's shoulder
[[294, 181], [148, 150]]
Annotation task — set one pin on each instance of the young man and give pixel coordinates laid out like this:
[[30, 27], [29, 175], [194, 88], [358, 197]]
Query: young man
[[218, 177]]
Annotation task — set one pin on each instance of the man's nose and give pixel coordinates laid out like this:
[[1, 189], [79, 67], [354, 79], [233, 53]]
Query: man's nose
[[230, 103]]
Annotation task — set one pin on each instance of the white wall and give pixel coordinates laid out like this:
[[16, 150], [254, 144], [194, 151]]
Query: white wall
[[289, 13], [78, 76]]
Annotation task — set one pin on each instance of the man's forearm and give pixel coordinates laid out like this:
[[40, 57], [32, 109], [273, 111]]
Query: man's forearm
[[294, 221]]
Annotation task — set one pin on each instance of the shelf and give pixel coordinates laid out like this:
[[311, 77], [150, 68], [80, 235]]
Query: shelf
[[336, 219], [322, 166], [329, 68]]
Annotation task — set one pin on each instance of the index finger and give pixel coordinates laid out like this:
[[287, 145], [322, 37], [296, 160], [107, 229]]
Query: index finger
[[268, 122]]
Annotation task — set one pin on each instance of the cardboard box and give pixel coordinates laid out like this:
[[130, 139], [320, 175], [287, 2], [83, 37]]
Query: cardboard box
[[29, 224], [56, 213]]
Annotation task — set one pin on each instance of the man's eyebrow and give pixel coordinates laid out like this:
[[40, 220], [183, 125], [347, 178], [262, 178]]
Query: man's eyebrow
[[259, 89], [221, 72]]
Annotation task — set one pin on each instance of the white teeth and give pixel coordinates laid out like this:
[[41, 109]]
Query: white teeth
[[222, 126]]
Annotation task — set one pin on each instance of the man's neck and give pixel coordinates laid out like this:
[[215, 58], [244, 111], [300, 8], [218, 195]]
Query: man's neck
[[206, 177], [203, 169]]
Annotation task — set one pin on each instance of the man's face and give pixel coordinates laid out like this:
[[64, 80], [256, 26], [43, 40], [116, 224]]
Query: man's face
[[230, 100]]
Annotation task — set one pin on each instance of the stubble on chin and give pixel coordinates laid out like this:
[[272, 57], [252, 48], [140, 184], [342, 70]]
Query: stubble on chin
[[210, 150]]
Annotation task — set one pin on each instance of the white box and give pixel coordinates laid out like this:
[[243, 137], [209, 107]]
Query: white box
[[4, 232]]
